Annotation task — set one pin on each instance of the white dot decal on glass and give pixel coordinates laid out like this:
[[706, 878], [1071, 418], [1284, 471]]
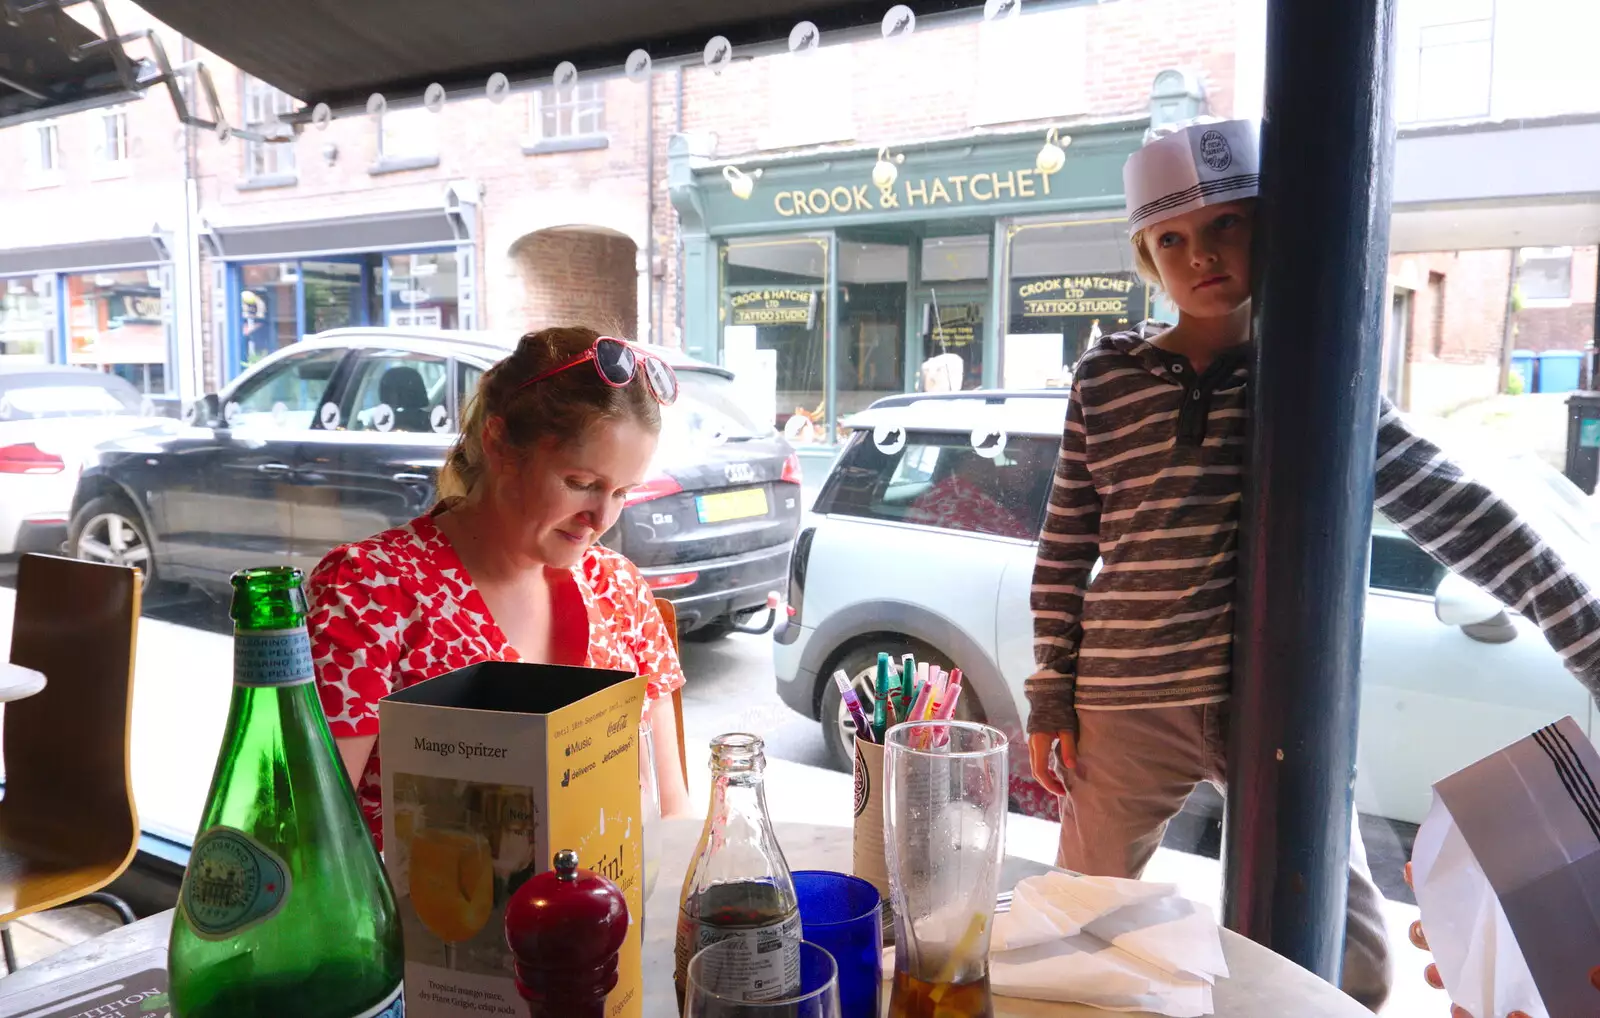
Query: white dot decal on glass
[[329, 416], [322, 116], [230, 411], [566, 74], [377, 105], [280, 413], [638, 66], [193, 416], [719, 437], [1000, 10], [383, 417], [439, 419], [498, 88], [224, 133], [899, 23], [719, 53], [889, 438], [433, 99], [804, 38], [988, 442]]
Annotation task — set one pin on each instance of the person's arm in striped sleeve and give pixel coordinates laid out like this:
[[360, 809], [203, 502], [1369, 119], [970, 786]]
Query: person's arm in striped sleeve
[[1069, 544], [1470, 529]]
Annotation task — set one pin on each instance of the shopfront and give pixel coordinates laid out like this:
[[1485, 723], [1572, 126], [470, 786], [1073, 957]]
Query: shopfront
[[106, 305], [282, 282], [972, 268]]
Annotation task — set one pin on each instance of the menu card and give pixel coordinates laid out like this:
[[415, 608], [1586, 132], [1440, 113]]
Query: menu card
[[133, 987]]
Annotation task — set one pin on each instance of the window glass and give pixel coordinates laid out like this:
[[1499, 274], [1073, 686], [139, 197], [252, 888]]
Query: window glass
[[940, 480], [775, 329], [264, 109], [1544, 274], [118, 322], [423, 291], [409, 134], [111, 138], [467, 378], [27, 319], [872, 326], [398, 391], [574, 112], [1399, 565], [287, 394], [268, 319]]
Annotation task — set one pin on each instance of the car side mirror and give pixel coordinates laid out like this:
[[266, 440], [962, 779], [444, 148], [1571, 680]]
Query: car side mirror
[[204, 412], [1459, 602]]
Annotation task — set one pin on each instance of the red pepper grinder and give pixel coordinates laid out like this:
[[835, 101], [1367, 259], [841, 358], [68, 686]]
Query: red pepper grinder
[[565, 927]]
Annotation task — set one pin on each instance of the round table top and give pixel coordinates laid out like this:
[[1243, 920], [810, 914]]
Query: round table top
[[1263, 985], [17, 682]]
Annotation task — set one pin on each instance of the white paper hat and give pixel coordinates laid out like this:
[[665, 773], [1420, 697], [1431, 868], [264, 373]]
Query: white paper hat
[[1203, 162]]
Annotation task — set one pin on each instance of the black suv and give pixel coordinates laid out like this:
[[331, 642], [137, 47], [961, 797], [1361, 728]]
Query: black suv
[[342, 435]]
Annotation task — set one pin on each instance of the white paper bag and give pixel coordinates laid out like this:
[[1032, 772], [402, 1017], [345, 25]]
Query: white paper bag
[[1507, 873]]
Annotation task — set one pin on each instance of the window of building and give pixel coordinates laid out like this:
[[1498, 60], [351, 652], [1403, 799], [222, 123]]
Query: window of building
[[1072, 281], [406, 136], [423, 291], [118, 322], [1033, 67], [775, 330], [264, 109], [111, 140], [1455, 60], [810, 97], [44, 154], [575, 112], [1544, 276], [27, 318]]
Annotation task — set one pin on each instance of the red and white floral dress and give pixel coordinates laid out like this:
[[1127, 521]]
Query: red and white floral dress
[[399, 608]]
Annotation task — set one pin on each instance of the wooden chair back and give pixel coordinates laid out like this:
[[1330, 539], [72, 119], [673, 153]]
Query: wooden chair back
[[68, 825], [669, 615]]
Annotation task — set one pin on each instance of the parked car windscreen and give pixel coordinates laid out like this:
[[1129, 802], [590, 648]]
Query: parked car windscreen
[[709, 404], [937, 479], [31, 397]]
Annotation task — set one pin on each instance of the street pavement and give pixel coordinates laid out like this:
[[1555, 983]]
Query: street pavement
[[182, 688]]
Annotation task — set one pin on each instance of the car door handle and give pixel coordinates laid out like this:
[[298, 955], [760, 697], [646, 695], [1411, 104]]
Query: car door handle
[[405, 478], [274, 468]]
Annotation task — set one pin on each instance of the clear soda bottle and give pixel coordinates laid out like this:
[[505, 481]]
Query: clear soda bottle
[[739, 885]]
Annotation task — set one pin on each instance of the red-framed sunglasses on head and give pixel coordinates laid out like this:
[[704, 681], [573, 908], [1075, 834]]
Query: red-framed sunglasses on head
[[617, 361]]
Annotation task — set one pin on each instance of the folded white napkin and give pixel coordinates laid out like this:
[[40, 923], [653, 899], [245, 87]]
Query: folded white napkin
[[1120, 945]]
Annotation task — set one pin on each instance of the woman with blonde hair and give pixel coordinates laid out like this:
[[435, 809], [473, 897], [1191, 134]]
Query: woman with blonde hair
[[508, 566]]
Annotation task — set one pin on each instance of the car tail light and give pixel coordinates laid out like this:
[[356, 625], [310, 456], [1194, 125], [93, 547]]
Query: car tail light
[[799, 559], [791, 469], [659, 486], [671, 581], [28, 458]]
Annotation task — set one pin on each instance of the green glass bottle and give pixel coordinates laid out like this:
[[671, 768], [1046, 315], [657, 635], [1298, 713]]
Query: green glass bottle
[[285, 909]]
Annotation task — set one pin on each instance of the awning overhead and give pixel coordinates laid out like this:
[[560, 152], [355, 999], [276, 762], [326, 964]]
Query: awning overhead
[[340, 53], [39, 77]]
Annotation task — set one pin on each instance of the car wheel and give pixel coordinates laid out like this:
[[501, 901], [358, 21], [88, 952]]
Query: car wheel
[[109, 530], [860, 663]]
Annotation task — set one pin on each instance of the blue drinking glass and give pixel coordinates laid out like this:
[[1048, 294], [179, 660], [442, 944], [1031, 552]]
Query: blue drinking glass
[[841, 914]]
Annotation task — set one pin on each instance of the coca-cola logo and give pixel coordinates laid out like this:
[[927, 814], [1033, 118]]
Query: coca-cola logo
[[863, 785]]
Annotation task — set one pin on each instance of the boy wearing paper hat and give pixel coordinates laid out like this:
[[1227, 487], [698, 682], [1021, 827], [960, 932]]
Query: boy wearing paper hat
[[1128, 706]]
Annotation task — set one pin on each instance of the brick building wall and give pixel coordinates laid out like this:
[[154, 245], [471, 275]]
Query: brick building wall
[[1455, 328], [577, 278]]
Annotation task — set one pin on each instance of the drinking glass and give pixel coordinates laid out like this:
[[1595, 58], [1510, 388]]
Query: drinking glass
[[718, 977], [452, 884], [841, 914], [944, 832]]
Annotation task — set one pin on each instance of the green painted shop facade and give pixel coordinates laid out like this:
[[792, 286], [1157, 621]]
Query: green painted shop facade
[[972, 268]]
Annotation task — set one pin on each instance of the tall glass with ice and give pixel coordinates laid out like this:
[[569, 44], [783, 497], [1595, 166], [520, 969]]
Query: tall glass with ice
[[944, 834]]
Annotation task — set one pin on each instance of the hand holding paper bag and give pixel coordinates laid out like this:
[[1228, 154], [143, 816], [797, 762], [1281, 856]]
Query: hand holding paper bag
[[1507, 874]]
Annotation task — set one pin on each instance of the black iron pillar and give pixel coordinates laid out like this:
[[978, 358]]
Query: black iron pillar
[[1321, 289]]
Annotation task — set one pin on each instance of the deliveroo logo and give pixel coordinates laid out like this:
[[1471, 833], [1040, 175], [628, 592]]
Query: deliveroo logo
[[234, 882]]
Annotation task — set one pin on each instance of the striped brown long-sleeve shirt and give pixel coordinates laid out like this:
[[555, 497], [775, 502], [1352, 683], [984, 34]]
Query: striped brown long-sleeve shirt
[[1149, 482]]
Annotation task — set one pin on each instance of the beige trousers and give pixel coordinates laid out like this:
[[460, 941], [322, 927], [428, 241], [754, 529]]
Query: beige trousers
[[1135, 769]]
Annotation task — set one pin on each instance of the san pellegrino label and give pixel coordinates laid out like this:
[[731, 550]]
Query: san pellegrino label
[[272, 657], [234, 883]]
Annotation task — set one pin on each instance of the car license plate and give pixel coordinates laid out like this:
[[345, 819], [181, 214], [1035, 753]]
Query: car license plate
[[731, 505]]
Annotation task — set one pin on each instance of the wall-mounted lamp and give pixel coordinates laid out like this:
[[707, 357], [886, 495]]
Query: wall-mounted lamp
[[885, 172], [741, 183], [1053, 155]]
